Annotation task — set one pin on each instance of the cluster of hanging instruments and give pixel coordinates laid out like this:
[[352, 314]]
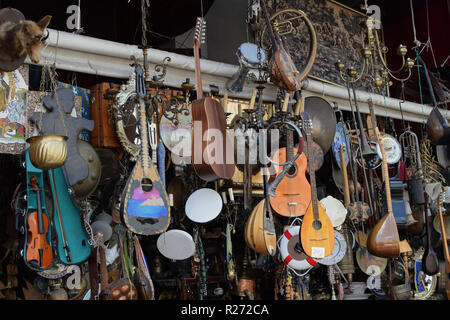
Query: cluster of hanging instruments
[[281, 216]]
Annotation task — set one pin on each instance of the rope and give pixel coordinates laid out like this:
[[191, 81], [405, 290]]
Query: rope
[[416, 42], [420, 88]]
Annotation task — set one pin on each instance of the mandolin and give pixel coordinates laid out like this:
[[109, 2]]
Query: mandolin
[[383, 239], [260, 231], [317, 233], [209, 139], [293, 194], [39, 251], [145, 204]]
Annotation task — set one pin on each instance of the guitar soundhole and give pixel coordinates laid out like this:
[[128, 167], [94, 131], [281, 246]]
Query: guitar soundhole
[[146, 185], [317, 225], [292, 171]]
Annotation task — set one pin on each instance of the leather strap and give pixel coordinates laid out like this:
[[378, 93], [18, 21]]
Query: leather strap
[[93, 274]]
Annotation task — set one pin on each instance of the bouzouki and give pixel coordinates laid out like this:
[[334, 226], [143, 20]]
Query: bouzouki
[[208, 114], [145, 204], [317, 233], [383, 239]]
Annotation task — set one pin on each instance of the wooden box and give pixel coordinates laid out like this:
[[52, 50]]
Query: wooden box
[[104, 133]]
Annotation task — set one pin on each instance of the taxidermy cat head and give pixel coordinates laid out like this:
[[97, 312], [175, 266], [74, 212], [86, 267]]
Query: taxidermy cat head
[[32, 37], [26, 37]]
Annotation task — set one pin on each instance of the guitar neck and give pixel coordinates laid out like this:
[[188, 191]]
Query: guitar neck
[[144, 139], [198, 74], [289, 144], [385, 172], [383, 153], [312, 176]]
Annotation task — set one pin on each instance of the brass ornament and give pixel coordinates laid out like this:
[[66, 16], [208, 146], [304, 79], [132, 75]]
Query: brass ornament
[[48, 151]]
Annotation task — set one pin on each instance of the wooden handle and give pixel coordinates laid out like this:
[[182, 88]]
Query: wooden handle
[[286, 102], [225, 102], [252, 100], [300, 106], [344, 176], [444, 232], [103, 269], [385, 171], [239, 109]]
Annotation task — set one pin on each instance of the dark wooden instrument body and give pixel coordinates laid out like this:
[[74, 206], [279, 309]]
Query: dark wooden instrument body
[[210, 114], [430, 263]]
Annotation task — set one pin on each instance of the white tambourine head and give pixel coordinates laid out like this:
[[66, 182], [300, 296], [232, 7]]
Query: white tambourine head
[[335, 210], [203, 205], [176, 244]]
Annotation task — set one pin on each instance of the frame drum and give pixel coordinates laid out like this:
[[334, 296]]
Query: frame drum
[[203, 205], [176, 244], [247, 54]]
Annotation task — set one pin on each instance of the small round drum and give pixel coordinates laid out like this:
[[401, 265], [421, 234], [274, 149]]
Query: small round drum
[[176, 244], [335, 210], [203, 205], [247, 54], [392, 148]]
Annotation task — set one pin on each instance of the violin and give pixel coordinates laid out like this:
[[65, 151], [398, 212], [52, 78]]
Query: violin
[[39, 252]]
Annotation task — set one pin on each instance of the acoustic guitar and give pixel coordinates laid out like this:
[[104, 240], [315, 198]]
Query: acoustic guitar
[[145, 204], [209, 156], [293, 194], [383, 239], [317, 233]]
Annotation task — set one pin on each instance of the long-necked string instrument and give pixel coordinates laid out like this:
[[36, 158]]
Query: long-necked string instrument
[[317, 233], [383, 239]]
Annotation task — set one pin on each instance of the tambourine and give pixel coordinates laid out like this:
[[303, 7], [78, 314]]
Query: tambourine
[[392, 147], [247, 54], [338, 253], [335, 210], [176, 244], [203, 205]]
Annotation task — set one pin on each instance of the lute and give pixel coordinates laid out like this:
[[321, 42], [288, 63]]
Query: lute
[[383, 239], [208, 119], [317, 233], [145, 204]]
